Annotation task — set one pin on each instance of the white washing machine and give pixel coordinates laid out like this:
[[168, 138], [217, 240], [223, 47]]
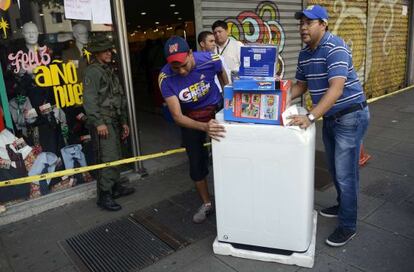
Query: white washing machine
[[264, 185]]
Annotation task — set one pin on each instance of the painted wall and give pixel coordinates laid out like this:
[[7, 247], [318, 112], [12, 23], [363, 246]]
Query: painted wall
[[260, 26], [377, 32], [253, 21]]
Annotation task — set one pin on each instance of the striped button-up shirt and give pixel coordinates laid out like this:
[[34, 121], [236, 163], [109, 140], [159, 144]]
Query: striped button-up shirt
[[331, 59]]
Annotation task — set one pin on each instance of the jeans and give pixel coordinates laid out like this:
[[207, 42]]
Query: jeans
[[342, 138], [72, 153], [45, 163]]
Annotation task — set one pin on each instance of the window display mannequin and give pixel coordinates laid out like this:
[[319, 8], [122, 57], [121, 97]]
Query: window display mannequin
[[75, 115], [80, 33], [31, 35], [75, 53], [38, 125]]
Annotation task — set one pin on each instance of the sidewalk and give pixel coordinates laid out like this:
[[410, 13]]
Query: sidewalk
[[384, 242]]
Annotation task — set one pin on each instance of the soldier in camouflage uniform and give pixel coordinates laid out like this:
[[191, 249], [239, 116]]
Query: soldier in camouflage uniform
[[105, 105]]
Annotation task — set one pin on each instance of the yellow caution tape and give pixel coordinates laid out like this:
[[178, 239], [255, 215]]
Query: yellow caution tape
[[390, 94], [69, 172]]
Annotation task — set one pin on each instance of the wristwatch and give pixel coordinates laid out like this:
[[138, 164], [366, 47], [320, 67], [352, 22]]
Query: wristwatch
[[311, 117]]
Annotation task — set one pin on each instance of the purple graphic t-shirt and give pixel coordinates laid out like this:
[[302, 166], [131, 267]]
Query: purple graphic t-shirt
[[196, 90]]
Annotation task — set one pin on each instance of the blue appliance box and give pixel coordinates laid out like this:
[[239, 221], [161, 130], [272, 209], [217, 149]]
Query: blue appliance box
[[267, 115], [254, 83], [258, 60]]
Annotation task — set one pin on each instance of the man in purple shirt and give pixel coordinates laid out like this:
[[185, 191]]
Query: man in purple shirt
[[188, 87]]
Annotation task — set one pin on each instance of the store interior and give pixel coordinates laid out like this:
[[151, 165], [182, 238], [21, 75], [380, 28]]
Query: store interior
[[150, 24]]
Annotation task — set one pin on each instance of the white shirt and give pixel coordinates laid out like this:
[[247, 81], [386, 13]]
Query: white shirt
[[227, 72], [230, 51]]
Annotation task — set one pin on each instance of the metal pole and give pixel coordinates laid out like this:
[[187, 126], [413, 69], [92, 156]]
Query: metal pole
[[410, 50], [120, 28]]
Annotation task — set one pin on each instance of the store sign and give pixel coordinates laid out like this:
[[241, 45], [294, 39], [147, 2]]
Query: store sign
[[63, 78], [27, 61]]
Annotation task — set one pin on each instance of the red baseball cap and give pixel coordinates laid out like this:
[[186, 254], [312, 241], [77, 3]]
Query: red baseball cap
[[176, 49]]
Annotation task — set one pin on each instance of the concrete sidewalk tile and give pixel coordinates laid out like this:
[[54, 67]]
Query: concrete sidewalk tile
[[370, 175], [326, 263], [380, 143], [325, 227], [179, 220], [395, 123], [32, 245], [326, 198], [384, 132], [366, 203], [390, 187], [68, 268], [247, 265], [394, 218], [183, 257], [394, 163], [409, 204], [376, 250], [87, 214], [4, 262], [404, 148], [42, 257], [208, 263]]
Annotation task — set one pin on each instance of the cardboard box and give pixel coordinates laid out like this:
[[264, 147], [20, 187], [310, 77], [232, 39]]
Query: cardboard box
[[254, 83], [252, 106], [258, 60]]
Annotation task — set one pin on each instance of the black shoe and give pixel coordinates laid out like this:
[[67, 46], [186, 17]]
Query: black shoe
[[330, 212], [340, 237], [119, 191], [107, 202]]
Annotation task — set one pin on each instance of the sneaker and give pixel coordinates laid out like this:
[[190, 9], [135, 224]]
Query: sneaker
[[201, 215], [340, 237], [330, 212]]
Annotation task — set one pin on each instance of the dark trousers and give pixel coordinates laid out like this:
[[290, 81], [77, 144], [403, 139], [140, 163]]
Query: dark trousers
[[193, 141]]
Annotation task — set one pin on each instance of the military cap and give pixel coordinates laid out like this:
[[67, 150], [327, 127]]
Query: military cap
[[99, 43]]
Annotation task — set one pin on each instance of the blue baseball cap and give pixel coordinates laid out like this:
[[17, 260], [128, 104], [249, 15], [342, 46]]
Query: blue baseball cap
[[176, 49], [313, 12]]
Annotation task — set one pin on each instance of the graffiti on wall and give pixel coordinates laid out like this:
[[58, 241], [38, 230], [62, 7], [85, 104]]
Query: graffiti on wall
[[260, 26], [378, 41]]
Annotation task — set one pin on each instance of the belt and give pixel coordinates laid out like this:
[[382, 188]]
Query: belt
[[352, 108]]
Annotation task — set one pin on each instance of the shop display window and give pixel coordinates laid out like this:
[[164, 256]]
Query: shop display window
[[43, 55]]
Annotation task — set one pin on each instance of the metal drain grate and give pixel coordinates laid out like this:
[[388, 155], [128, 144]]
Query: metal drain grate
[[122, 245]]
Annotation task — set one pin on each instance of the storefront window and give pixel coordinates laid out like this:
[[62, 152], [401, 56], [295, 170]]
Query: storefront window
[[43, 125]]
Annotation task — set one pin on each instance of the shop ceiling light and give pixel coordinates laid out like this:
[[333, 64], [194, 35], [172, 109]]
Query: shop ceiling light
[[143, 13], [157, 23], [176, 12]]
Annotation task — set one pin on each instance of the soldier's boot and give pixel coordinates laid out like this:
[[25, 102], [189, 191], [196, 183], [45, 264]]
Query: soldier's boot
[[119, 190], [106, 202]]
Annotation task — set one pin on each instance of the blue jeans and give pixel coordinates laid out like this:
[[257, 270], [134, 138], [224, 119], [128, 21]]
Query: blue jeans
[[342, 138], [72, 153]]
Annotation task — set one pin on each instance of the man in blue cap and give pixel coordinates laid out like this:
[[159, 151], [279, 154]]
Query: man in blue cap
[[188, 87], [325, 69]]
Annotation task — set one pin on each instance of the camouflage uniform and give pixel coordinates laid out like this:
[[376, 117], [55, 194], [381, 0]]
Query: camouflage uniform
[[104, 102]]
